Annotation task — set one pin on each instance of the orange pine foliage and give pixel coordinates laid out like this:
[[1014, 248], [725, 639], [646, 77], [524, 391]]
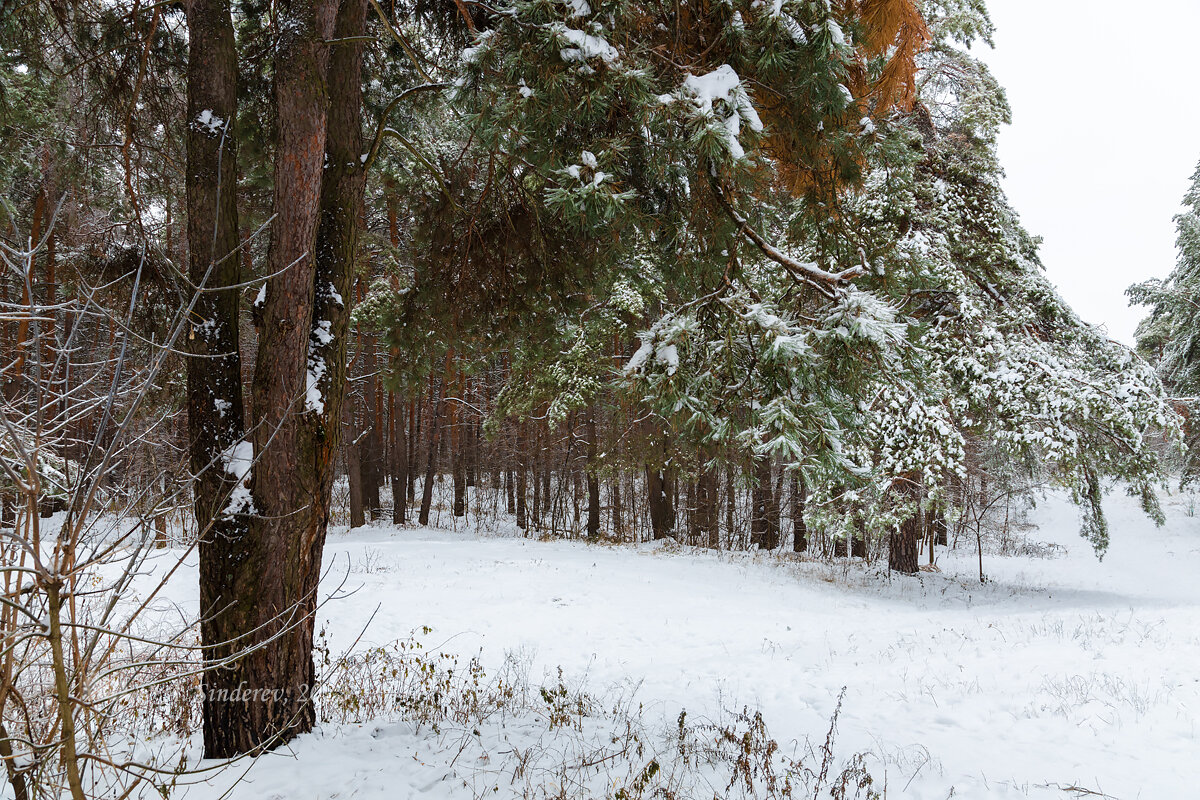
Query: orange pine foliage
[[894, 26], [893, 29]]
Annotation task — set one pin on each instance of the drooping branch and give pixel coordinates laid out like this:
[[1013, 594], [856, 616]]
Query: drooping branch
[[806, 271], [382, 129]]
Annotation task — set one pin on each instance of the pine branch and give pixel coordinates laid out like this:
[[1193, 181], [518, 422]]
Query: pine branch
[[806, 271]]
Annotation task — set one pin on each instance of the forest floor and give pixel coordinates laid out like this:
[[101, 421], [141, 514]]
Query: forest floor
[[1061, 675]]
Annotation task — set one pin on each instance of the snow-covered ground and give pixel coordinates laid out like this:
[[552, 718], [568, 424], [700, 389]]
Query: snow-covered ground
[[1059, 672]]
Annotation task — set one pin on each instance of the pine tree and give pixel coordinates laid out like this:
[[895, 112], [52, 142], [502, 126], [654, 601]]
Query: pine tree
[[1170, 335]]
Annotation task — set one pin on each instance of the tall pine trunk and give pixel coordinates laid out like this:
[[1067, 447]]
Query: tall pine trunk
[[593, 480], [799, 528], [458, 467], [764, 522], [358, 517], [299, 375], [398, 461], [371, 443], [215, 409], [536, 510], [904, 544], [707, 489], [662, 513], [614, 492], [522, 472], [431, 458]]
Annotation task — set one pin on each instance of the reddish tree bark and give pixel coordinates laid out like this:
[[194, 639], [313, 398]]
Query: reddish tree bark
[[299, 374], [903, 545]]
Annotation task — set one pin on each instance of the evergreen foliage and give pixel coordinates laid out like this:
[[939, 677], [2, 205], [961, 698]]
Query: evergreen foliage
[[1170, 335]]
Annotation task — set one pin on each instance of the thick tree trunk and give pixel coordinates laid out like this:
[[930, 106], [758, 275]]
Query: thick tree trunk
[[764, 522], [858, 547], [902, 548], [297, 388], [904, 545], [662, 514], [215, 408]]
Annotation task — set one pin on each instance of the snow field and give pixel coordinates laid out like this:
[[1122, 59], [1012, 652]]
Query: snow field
[[1058, 673]]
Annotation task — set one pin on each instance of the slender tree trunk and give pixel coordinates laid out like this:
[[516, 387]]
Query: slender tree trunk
[[614, 493], [16, 777], [377, 432], [414, 437], [358, 517], [458, 467], [799, 528], [522, 471], [730, 506], [593, 481], [472, 446], [707, 489], [536, 511], [510, 491], [774, 501], [17, 372], [457, 445], [546, 470], [432, 458], [941, 528], [399, 464], [51, 344], [370, 444]]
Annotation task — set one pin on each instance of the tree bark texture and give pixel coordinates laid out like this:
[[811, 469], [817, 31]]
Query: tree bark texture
[[662, 512], [904, 544], [298, 377], [215, 408]]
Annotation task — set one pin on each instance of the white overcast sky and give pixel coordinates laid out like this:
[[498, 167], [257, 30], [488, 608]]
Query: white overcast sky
[[1105, 136]]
